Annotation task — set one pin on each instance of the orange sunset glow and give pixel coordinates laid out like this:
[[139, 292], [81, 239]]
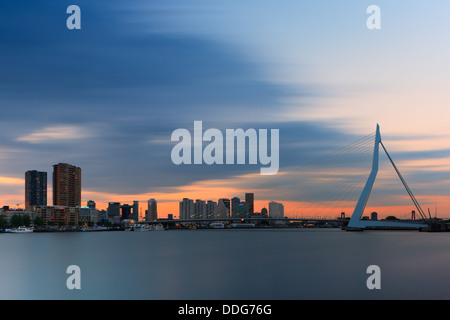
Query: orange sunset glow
[[168, 199]]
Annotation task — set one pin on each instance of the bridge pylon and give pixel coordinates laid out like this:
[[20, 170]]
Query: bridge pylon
[[356, 223]]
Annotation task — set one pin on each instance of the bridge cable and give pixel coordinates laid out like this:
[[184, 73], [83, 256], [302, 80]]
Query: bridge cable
[[414, 200]]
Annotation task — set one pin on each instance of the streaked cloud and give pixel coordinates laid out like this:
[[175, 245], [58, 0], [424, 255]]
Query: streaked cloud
[[142, 69], [56, 133], [11, 181]]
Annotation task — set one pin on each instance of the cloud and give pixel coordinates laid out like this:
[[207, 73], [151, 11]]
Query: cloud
[[56, 133], [107, 98], [11, 181]]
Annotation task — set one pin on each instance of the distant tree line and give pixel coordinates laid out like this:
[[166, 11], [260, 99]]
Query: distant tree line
[[18, 220]]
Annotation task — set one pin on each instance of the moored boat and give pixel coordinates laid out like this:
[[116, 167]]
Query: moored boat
[[21, 230]]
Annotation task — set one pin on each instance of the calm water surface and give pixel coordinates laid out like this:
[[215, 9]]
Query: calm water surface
[[226, 264]]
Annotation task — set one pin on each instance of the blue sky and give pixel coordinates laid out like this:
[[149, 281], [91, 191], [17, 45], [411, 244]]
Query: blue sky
[[108, 96]]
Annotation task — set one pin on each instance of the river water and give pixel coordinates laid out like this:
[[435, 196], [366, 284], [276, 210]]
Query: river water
[[226, 264]]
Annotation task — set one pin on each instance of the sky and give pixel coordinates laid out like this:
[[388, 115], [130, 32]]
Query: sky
[[107, 97]]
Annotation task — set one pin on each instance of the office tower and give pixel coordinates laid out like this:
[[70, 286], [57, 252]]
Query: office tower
[[227, 203], [66, 185], [91, 204], [135, 212], [241, 210], [126, 211], [235, 202], [114, 209], [250, 199], [199, 209], [276, 210], [152, 212], [186, 209], [35, 188], [223, 208], [102, 216], [211, 209]]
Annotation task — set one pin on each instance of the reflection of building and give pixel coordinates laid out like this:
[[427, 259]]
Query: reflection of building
[[35, 188], [152, 212], [276, 210], [66, 185]]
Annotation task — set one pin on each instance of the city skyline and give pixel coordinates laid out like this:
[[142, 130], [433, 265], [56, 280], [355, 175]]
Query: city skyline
[[173, 207], [134, 209]]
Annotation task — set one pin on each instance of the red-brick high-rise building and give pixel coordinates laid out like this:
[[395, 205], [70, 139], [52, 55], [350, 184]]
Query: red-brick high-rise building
[[66, 185]]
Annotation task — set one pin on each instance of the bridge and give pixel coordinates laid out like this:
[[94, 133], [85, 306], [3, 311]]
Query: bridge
[[356, 222], [243, 220]]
